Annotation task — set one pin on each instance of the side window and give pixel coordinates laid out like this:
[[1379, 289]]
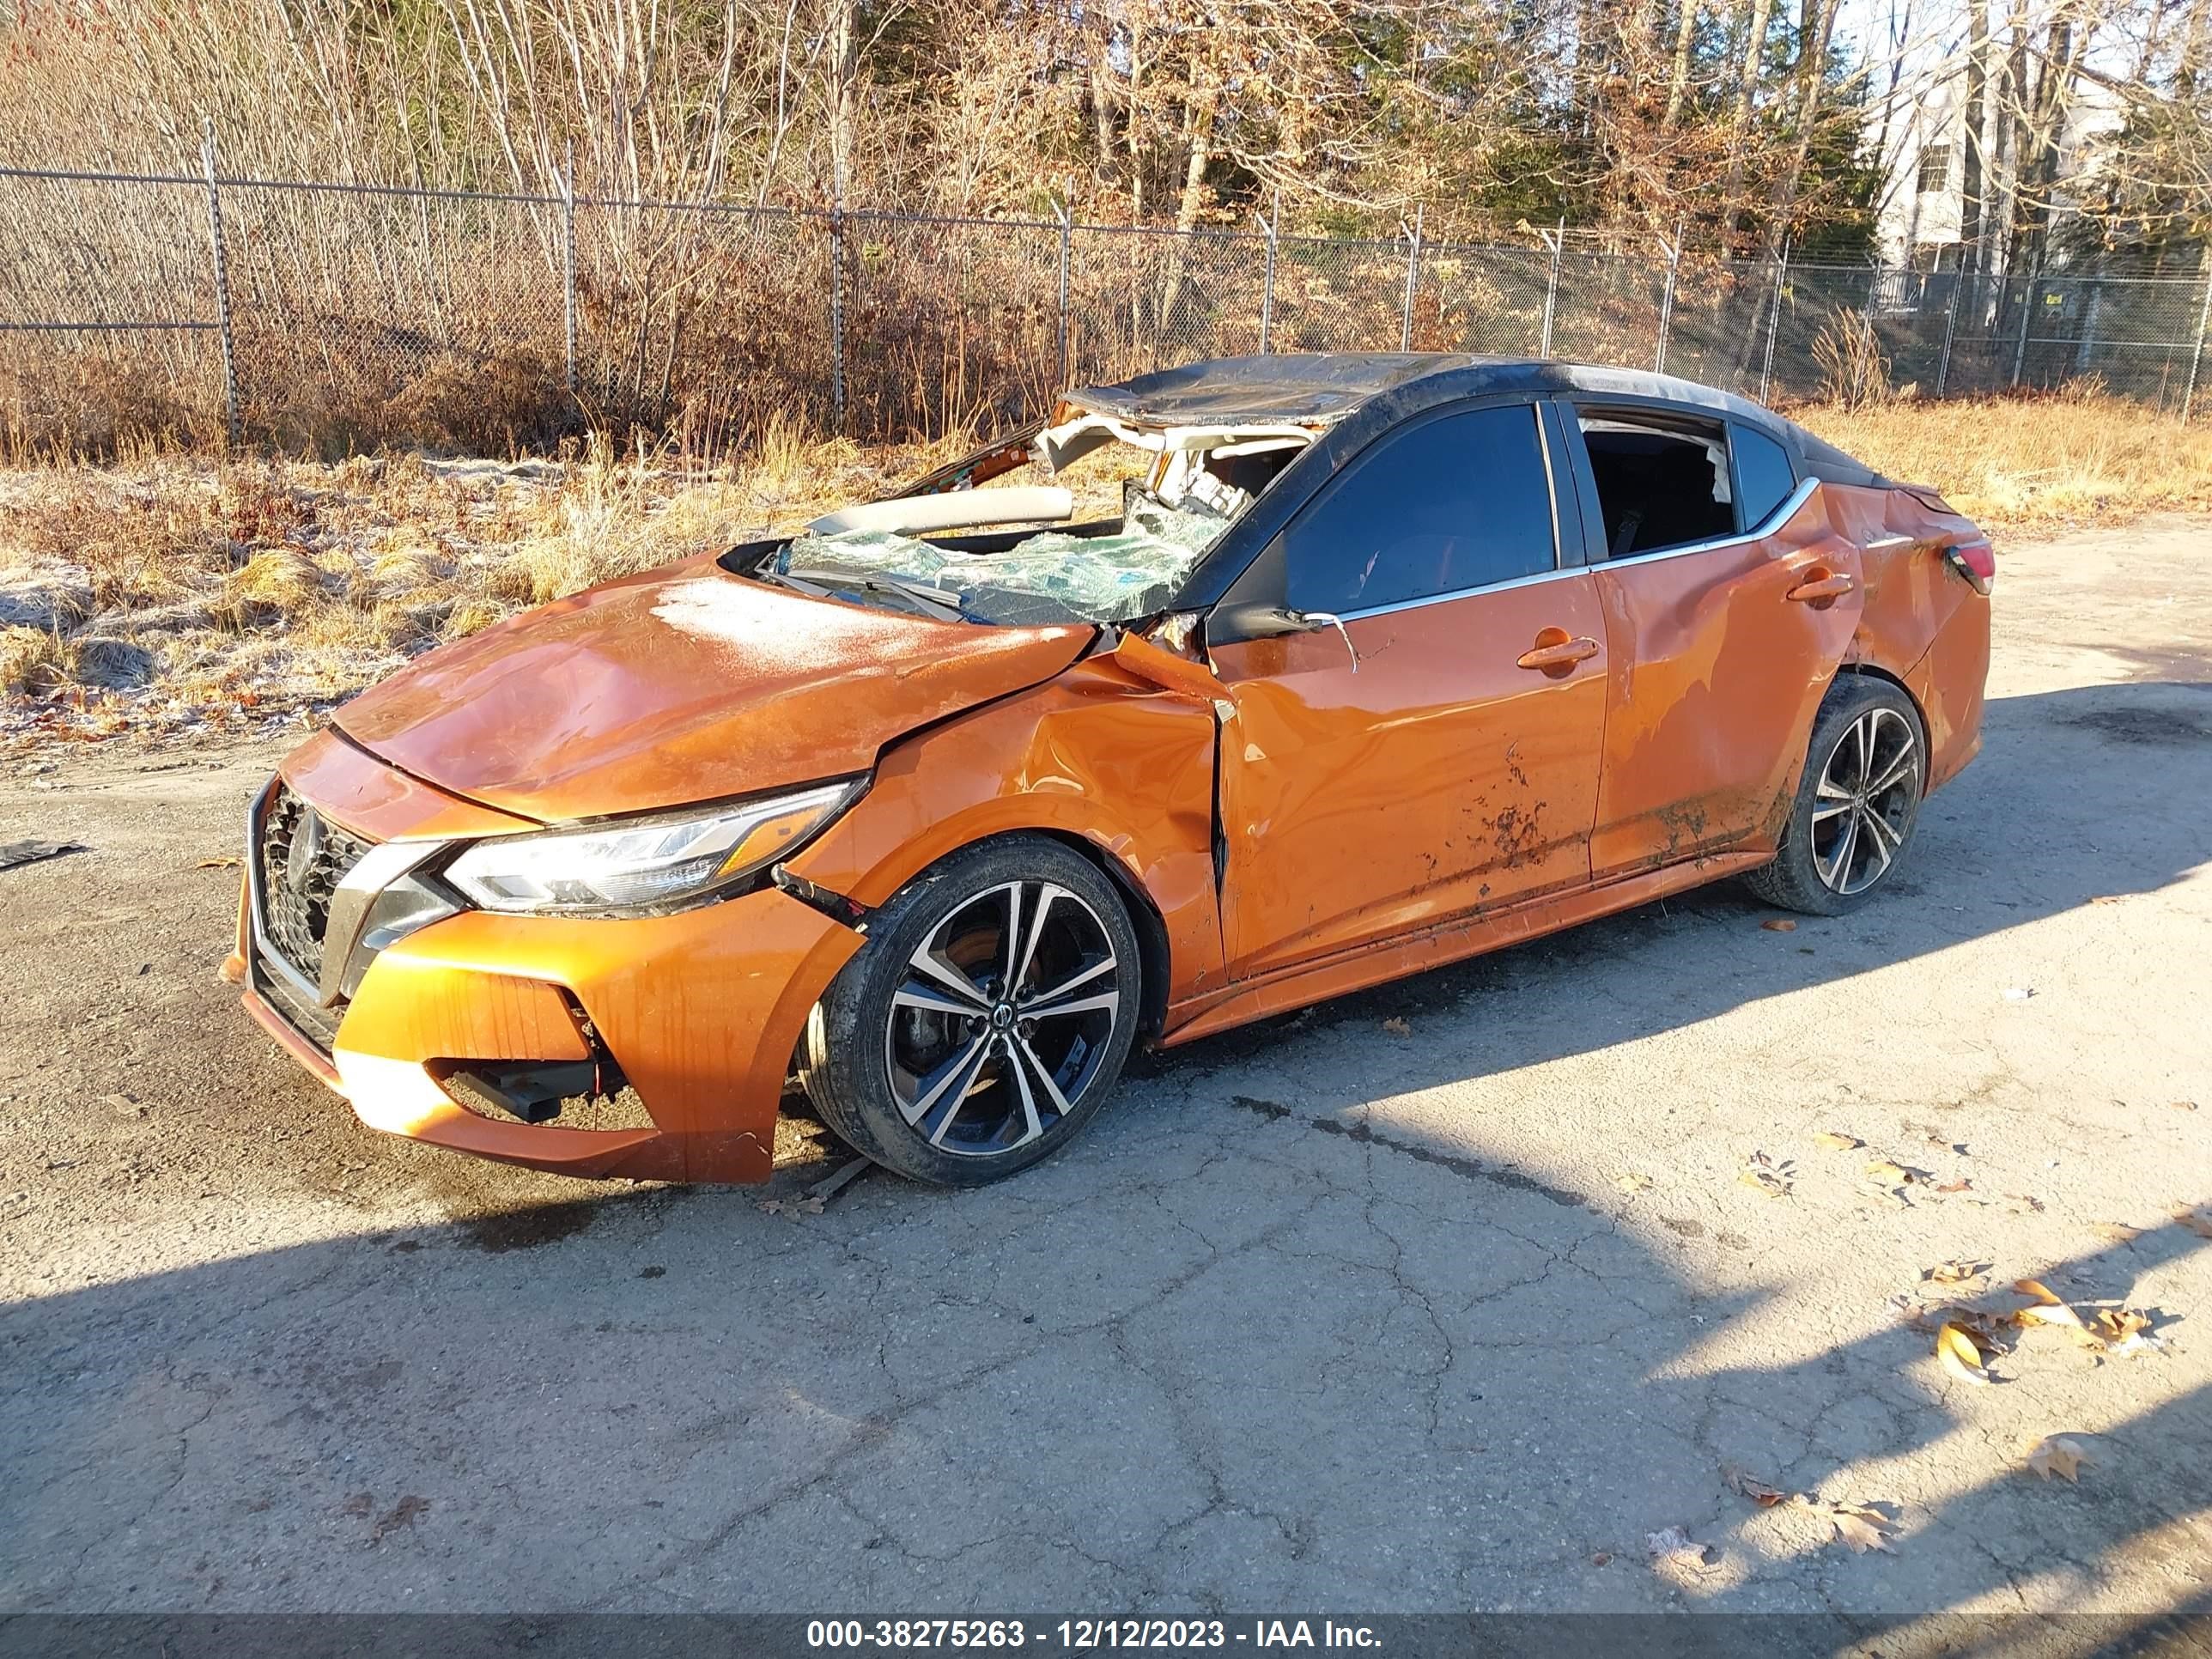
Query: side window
[[1662, 481], [1764, 476], [1455, 502]]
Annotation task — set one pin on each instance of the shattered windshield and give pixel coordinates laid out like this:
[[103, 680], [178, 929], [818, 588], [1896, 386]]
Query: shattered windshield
[[1113, 535]]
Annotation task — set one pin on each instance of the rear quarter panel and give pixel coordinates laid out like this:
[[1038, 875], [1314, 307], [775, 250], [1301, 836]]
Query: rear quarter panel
[[1921, 624]]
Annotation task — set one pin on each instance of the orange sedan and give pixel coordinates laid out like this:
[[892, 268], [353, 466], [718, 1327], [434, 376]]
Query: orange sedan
[[1226, 689]]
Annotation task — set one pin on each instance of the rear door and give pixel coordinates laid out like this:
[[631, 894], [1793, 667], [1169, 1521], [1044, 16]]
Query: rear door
[[1438, 754], [1729, 600]]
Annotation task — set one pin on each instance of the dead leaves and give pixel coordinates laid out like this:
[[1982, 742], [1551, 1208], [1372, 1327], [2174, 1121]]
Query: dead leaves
[[1779, 924], [1835, 1141], [1959, 1353], [793, 1207], [1954, 1273], [1672, 1546], [2059, 1455], [1763, 1175], [1397, 1027], [1860, 1526], [218, 864], [2198, 1221], [1632, 1183], [1746, 1484]]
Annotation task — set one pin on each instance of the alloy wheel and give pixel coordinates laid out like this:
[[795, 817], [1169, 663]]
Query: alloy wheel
[[1006, 1010], [1862, 807]]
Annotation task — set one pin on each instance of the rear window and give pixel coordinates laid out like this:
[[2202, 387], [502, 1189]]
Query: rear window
[[1662, 481], [1763, 475]]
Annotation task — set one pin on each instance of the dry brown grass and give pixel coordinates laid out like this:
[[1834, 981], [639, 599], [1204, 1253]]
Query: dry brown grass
[[2075, 457], [170, 589]]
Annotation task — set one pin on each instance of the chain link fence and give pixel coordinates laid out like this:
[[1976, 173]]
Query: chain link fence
[[339, 317]]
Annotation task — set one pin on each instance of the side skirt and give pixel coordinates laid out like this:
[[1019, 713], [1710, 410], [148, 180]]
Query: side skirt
[[1454, 941]]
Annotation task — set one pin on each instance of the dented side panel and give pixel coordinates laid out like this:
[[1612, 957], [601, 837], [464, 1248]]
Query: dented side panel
[[1717, 673], [1439, 778], [1102, 755]]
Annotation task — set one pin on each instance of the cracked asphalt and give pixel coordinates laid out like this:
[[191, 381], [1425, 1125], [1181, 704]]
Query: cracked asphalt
[[1317, 1316]]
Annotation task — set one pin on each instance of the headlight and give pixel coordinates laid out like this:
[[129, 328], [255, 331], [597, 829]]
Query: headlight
[[645, 863]]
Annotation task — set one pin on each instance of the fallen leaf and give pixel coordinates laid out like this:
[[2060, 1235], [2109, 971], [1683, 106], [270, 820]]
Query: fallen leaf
[[2118, 1231], [1961, 1185], [1956, 1352], [2060, 1455], [1954, 1273], [2025, 1203], [401, 1514], [1859, 1527], [218, 864], [2122, 1328], [1779, 924], [1835, 1141], [1633, 1184], [1397, 1027], [1673, 1546], [1885, 1173], [2197, 1221], [1748, 1485], [1764, 1174], [2041, 1291]]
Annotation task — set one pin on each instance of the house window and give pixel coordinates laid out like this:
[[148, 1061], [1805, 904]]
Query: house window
[[1934, 169]]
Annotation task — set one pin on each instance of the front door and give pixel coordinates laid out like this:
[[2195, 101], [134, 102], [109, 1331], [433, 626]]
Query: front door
[[1438, 754]]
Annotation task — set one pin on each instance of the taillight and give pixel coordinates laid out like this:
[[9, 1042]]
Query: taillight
[[1976, 561]]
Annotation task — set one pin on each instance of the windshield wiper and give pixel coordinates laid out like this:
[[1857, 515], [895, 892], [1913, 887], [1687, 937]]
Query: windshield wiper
[[831, 581]]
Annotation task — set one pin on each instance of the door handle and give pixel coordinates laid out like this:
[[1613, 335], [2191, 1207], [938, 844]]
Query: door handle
[[1820, 589], [1555, 653]]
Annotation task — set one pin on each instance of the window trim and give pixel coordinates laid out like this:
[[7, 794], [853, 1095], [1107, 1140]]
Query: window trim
[[1586, 480], [1267, 564], [1766, 527]]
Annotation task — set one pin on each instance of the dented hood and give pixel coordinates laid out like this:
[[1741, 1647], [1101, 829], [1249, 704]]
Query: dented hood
[[684, 685]]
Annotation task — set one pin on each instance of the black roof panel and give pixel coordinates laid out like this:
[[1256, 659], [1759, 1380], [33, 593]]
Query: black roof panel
[[1326, 386]]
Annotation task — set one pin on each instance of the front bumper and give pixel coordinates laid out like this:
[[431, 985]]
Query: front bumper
[[700, 1010]]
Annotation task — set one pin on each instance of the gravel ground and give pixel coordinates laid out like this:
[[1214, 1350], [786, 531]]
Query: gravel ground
[[1318, 1315]]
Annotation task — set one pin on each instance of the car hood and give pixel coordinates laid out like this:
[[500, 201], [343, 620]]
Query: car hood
[[684, 685]]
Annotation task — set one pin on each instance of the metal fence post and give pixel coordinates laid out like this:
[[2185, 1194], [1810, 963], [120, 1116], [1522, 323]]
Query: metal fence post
[[1268, 281], [568, 269], [1067, 230], [1667, 299], [221, 282], [1556, 239], [2027, 318], [1773, 320], [2197, 356], [1412, 274], [1950, 332]]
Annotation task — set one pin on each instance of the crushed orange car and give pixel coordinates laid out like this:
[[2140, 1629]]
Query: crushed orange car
[[1223, 691]]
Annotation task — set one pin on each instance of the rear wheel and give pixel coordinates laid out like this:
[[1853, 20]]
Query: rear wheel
[[1856, 805], [985, 1020]]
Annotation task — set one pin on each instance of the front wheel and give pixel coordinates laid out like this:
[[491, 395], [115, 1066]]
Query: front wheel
[[985, 1020], [1856, 805]]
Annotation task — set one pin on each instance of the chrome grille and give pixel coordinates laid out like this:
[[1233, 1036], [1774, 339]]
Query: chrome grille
[[302, 857]]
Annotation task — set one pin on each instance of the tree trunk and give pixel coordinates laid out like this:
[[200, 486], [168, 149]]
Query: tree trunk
[[1747, 90], [1971, 136], [1678, 73]]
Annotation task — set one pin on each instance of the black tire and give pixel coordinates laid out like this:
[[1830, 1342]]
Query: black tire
[[1816, 872], [894, 1029]]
